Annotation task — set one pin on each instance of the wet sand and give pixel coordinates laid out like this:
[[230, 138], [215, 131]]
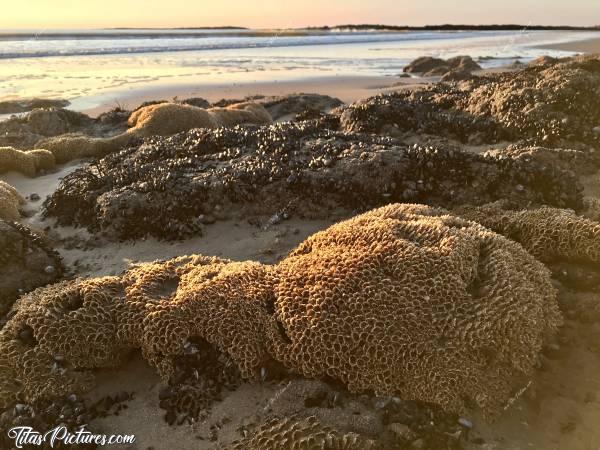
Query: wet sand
[[587, 46], [347, 89]]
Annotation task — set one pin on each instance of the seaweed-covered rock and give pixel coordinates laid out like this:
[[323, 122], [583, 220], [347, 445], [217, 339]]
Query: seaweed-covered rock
[[196, 101], [404, 300], [548, 104], [163, 186], [584, 161], [26, 260], [429, 110]]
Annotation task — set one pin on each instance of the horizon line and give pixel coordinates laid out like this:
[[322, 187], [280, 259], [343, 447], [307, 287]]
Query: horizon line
[[340, 26]]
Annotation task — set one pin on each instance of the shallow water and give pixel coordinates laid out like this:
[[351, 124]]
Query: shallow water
[[81, 65]]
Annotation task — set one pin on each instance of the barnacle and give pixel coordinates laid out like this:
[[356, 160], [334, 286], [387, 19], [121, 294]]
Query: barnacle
[[261, 170]]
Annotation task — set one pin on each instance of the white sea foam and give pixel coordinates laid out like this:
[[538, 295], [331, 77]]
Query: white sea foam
[[92, 43]]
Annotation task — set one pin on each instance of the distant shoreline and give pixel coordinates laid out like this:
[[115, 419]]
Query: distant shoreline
[[134, 32], [458, 27]]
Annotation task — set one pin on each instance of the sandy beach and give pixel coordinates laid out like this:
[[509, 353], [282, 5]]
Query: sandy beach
[[585, 46], [347, 88]]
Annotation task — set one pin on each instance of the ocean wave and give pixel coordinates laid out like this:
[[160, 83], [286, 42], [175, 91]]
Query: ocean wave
[[113, 45]]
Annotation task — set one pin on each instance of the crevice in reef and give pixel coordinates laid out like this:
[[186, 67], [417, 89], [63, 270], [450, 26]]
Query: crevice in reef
[[480, 278]]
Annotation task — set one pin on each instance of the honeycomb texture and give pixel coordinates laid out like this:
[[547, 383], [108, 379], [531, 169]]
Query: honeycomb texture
[[408, 300], [550, 234], [26, 162], [68, 147], [10, 201], [402, 300], [298, 433], [56, 334], [165, 119], [162, 119]]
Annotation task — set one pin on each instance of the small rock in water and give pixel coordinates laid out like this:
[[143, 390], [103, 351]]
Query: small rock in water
[[596, 130], [50, 270], [34, 197]]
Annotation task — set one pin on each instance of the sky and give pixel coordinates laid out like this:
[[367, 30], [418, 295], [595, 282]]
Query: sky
[[47, 14]]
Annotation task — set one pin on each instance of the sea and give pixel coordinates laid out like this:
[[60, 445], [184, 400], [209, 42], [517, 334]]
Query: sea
[[83, 64]]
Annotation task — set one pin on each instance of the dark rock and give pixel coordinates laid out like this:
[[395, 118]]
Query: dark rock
[[299, 168], [303, 106], [20, 106], [196, 101], [24, 261], [456, 75], [535, 104], [429, 66], [425, 64]]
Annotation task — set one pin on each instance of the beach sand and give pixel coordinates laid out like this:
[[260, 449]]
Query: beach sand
[[347, 89], [564, 395], [586, 46]]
